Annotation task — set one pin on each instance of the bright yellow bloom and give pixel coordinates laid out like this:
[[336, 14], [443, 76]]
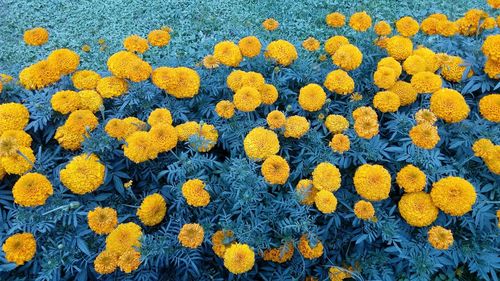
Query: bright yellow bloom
[[340, 143], [489, 107], [36, 36], [399, 47], [210, 62], [160, 116], [109, 87], [414, 64], [239, 258], [384, 77], [429, 26], [39, 75], [348, 57], [312, 97], [311, 44], [32, 189], [483, 147], [276, 119], [135, 43], [335, 19], [221, 240], [261, 143], [19, 248], [281, 254], [195, 194], [180, 82], [325, 201], [492, 68], [391, 63], [20, 162], [124, 237], [85, 79], [360, 21], [310, 251], [372, 182], [326, 176], [449, 105], [495, 4], [164, 137], [64, 60], [102, 220], [306, 192], [83, 174], [425, 116], [407, 26], [424, 135], [339, 82], [364, 111], [90, 100], [106, 262], [20, 137], [296, 127], [13, 116], [407, 95], [129, 261], [140, 147], [250, 46], [386, 101], [336, 123], [364, 210], [383, 28], [128, 65], [225, 109], [411, 179], [228, 53], [270, 24], [269, 94], [366, 127], [490, 47], [453, 69], [152, 210], [275, 170], [282, 52], [334, 43], [191, 235], [159, 38], [336, 274], [426, 82], [247, 99], [417, 209], [440, 238], [453, 195], [65, 101]]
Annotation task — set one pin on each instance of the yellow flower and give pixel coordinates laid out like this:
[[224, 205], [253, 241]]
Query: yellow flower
[[311, 44], [282, 52], [19, 248], [235, 80], [384, 77], [364, 111], [492, 68], [261, 143], [152, 210], [440, 238], [407, 26], [364, 210], [268, 94], [449, 105], [129, 261], [228, 53], [164, 137], [336, 123], [386, 101], [239, 258], [411, 179], [495, 4], [426, 82], [69, 138], [210, 62], [85, 79], [158, 38], [250, 46], [83, 174], [407, 95], [109, 87], [281, 254], [39, 75], [65, 101], [296, 127], [106, 262], [399, 47], [482, 147], [334, 43], [348, 57], [102, 220], [180, 82], [360, 21], [391, 63], [128, 65], [425, 116], [335, 19], [340, 143], [339, 82], [325, 201], [490, 47], [453, 69], [9, 146], [36, 36], [64, 60], [90, 100], [119, 129], [307, 251], [225, 109], [124, 237], [275, 170], [160, 116], [32, 189], [204, 138], [326, 176], [20, 138], [429, 26], [140, 147], [424, 135], [276, 119], [13, 116], [366, 127], [453, 195], [489, 107], [306, 191], [336, 274], [383, 28], [312, 97], [186, 130], [372, 182], [191, 235], [247, 99], [417, 209], [221, 240], [135, 43], [195, 194], [270, 24], [414, 64], [19, 163], [447, 28]]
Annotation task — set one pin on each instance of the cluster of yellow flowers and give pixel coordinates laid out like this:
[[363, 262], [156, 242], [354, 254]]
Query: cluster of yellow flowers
[[78, 125], [489, 153]]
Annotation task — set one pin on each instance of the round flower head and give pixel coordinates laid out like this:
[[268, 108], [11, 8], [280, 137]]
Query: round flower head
[[247, 99], [228, 53], [282, 52], [39, 75], [366, 127], [186, 130], [446, 28], [325, 201], [424, 135], [340, 143], [490, 47], [483, 147], [106, 262], [336, 123], [453, 69], [382, 28], [124, 237], [160, 116], [36, 36], [164, 137], [495, 4], [225, 109], [339, 82], [311, 44], [449, 105], [440, 238], [312, 97], [407, 95], [364, 210], [276, 119], [270, 24], [268, 94], [326, 176], [384, 77], [19, 163], [184, 83], [252, 79], [429, 26], [235, 80], [140, 147], [335, 19], [431, 59], [372, 182], [407, 26], [489, 107], [90, 100], [85, 79], [65, 101], [64, 60], [102, 220], [83, 174], [414, 64], [364, 111], [191, 235], [348, 57], [492, 69], [306, 192], [425, 116], [110, 87], [32, 189], [13, 116], [426, 82], [308, 250], [334, 43], [195, 194], [152, 210], [19, 248], [386, 101], [204, 138], [135, 43], [453, 195], [221, 240], [360, 21], [158, 38], [417, 209], [390, 62], [296, 127], [210, 62], [275, 170], [250, 46], [411, 179], [399, 47], [128, 65], [261, 143], [20, 137], [129, 261], [239, 258]]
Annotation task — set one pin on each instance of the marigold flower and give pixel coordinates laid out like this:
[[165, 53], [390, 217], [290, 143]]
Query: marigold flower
[[160, 116], [90, 100], [20, 137], [13, 116], [425, 116], [336, 123], [495, 4], [335, 19], [348, 57], [36, 36], [102, 220], [39, 75], [360, 21], [340, 143], [440, 238], [164, 137], [384, 77], [490, 47], [135, 43], [310, 251], [276, 119], [336, 274], [228, 53], [407, 95], [191, 235], [364, 111], [281, 254], [492, 68], [483, 147], [366, 127], [129, 261], [282, 52], [407, 26], [268, 93], [424, 135], [65, 101], [140, 147], [453, 69], [426, 82], [85, 79], [326, 176], [106, 262], [414, 64], [83, 174], [180, 82], [124, 237], [382, 28], [449, 105], [225, 109], [250, 46], [19, 248], [372, 182], [239, 258], [275, 170], [453, 195], [19, 163], [270, 24], [334, 43], [429, 26], [311, 44], [128, 65], [312, 97], [339, 82], [247, 99], [221, 240], [391, 63], [417, 209], [364, 210], [210, 62], [195, 194], [325, 201], [489, 107], [110, 87], [152, 210], [159, 38], [64, 60], [399, 47], [296, 127], [411, 179], [261, 143], [447, 28], [32, 189], [306, 191], [386, 101]]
